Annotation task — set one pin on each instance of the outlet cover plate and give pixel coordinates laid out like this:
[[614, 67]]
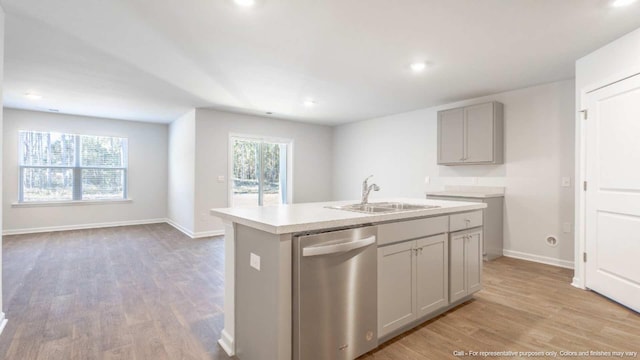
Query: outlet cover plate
[[254, 261]]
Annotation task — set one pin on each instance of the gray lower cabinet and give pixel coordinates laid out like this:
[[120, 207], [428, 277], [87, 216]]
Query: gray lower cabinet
[[396, 286], [412, 281], [465, 263], [492, 223], [432, 262]]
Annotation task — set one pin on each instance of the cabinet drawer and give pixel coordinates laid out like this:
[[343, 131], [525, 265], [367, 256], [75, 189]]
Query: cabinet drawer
[[465, 220], [412, 229]]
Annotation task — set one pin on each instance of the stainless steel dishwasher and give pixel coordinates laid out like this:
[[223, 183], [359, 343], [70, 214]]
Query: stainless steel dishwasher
[[335, 293]]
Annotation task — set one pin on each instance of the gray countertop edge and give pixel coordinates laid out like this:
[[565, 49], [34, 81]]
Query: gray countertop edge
[[338, 223]]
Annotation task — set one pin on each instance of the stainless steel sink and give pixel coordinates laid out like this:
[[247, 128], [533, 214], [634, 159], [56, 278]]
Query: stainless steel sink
[[382, 207], [404, 206], [363, 208]]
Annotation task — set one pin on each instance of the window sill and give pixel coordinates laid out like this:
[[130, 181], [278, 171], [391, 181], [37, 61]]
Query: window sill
[[70, 203]]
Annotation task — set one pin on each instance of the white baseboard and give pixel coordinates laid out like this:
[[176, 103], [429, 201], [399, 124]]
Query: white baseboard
[[180, 228], [81, 226], [3, 322], [191, 234], [538, 258], [226, 343], [203, 234], [577, 283]]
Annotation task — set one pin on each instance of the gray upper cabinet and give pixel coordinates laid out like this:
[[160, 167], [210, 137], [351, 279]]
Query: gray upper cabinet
[[451, 136], [471, 135]]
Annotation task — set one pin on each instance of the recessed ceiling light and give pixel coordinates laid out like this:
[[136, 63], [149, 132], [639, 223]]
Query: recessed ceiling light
[[621, 3], [33, 96], [245, 3], [309, 103], [418, 66]]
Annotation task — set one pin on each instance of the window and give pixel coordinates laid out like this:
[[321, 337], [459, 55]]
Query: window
[[67, 167], [260, 171]]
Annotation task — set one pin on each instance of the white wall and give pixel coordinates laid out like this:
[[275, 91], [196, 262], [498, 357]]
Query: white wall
[[2, 318], [400, 150], [147, 173], [312, 159], [612, 62], [619, 57], [181, 182]]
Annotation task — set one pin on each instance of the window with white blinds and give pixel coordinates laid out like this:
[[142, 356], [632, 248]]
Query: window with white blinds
[[67, 167]]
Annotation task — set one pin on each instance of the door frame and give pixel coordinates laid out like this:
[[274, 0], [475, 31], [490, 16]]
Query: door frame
[[580, 270], [265, 138]]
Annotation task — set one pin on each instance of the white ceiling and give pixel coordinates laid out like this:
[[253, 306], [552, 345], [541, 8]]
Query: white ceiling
[[152, 60]]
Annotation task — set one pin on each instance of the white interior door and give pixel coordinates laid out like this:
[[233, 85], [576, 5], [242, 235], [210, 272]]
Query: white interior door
[[613, 192]]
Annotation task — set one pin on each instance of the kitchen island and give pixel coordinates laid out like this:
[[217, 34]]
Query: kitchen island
[[261, 271]]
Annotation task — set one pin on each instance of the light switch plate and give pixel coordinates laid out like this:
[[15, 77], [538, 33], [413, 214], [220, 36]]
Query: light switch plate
[[566, 181], [254, 261], [566, 228], [427, 180], [220, 178]]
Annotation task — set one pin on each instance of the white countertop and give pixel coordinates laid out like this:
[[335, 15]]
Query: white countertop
[[462, 194], [476, 192], [295, 218]]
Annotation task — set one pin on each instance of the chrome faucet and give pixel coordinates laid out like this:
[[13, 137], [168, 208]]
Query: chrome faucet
[[366, 189]]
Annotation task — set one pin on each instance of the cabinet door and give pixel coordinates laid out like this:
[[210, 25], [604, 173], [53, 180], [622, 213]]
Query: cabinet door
[[451, 136], [457, 271], [479, 133], [431, 274], [396, 285], [473, 261]]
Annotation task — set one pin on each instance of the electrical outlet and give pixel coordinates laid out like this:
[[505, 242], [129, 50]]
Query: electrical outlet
[[254, 261], [566, 228], [566, 181]]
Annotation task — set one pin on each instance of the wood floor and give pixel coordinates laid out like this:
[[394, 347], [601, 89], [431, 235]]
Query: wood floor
[[523, 307], [137, 292], [149, 292]]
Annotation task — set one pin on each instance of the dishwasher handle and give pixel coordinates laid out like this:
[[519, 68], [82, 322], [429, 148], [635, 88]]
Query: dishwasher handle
[[338, 248]]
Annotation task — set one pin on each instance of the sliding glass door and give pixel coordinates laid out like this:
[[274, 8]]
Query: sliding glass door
[[259, 171]]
